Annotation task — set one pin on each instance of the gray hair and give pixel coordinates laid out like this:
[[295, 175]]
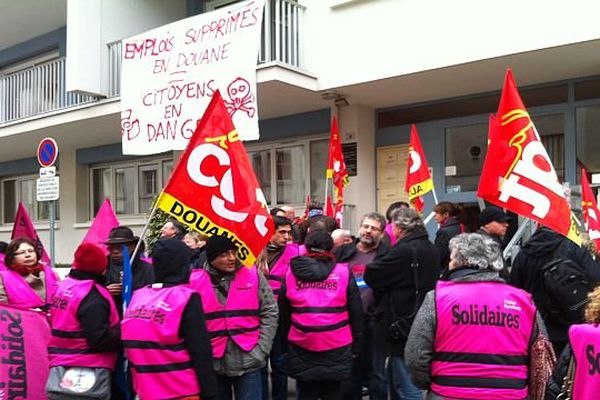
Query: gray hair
[[407, 219], [476, 250], [375, 217]]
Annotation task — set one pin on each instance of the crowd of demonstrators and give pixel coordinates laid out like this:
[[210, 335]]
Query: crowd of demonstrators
[[321, 316], [344, 315], [446, 215], [400, 277], [527, 273], [368, 369], [577, 373], [26, 282], [474, 335], [241, 319]]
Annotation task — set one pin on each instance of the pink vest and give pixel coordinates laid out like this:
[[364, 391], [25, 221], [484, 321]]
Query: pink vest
[[238, 318], [302, 250], [20, 294], [68, 346], [277, 273], [585, 343], [161, 366], [320, 318], [482, 340], [2, 266]]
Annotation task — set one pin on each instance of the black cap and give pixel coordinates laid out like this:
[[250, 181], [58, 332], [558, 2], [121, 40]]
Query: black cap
[[121, 235], [217, 245], [491, 214]]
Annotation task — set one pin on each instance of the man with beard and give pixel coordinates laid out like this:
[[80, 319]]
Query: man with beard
[[370, 365]]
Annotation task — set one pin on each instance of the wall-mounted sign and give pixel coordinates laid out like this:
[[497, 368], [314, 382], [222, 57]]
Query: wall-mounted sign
[[351, 158]]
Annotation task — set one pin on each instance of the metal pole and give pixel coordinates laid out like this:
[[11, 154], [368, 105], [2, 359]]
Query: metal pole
[[518, 234], [426, 220], [52, 233]]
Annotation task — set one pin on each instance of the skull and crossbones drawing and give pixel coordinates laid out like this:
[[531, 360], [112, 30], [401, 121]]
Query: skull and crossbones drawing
[[241, 98]]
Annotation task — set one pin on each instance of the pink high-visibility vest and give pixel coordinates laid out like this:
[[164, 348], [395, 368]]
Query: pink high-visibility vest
[[161, 366], [482, 339], [277, 273], [320, 318], [68, 346], [302, 250], [389, 229], [238, 318], [20, 294], [585, 344]]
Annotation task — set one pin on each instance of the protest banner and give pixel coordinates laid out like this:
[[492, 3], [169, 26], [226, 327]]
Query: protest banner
[[170, 73], [337, 172], [23, 227], [213, 188], [517, 173], [418, 180], [24, 337]]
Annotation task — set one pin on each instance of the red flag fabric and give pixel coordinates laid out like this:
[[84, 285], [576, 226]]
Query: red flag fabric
[[589, 207], [105, 220], [329, 210], [517, 173], [418, 180], [336, 166], [23, 227], [214, 190], [308, 200]]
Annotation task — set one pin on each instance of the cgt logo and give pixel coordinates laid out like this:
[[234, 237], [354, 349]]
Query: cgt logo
[[226, 184]]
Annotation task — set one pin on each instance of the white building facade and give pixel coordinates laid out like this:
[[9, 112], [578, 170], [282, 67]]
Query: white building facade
[[379, 65]]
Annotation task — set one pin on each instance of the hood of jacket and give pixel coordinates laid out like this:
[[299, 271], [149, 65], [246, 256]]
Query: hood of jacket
[[542, 243], [311, 269]]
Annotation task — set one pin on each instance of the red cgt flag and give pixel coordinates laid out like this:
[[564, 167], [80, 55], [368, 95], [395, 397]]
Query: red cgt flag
[[214, 190], [418, 181], [589, 207], [336, 166], [517, 172]]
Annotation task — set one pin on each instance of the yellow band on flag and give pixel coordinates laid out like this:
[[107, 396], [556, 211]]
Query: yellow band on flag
[[419, 189], [200, 223]]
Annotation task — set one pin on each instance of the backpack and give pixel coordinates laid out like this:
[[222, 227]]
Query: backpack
[[567, 285]]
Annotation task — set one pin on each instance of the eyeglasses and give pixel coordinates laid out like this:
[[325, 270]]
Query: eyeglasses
[[23, 252], [371, 227]]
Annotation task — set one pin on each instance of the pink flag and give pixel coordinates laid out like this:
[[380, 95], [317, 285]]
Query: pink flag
[[105, 220], [23, 227]]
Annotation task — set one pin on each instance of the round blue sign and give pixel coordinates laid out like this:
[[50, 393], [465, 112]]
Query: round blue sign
[[47, 152]]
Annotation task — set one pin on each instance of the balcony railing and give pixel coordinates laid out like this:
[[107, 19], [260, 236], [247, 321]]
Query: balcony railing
[[36, 90], [281, 40]]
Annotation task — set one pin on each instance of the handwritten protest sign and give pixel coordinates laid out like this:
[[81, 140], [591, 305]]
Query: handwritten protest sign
[[170, 74]]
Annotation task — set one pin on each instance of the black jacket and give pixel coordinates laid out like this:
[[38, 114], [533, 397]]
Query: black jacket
[[143, 274], [198, 258], [450, 228], [526, 273], [391, 277], [555, 382], [334, 364]]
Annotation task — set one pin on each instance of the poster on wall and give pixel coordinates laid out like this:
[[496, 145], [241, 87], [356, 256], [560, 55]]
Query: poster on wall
[[170, 73]]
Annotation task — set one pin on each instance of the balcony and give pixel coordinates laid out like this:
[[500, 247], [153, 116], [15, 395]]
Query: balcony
[[41, 89], [36, 90], [281, 41]]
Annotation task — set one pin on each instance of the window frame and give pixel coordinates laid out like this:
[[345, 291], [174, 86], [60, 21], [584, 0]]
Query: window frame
[[138, 166], [272, 147], [33, 214]]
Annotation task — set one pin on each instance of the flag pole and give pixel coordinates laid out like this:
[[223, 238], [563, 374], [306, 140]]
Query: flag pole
[[143, 234], [326, 192]]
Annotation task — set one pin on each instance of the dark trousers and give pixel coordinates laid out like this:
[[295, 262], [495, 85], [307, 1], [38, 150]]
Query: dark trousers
[[245, 387], [315, 390], [279, 379]]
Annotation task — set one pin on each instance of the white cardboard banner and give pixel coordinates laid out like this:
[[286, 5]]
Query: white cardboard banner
[[170, 73]]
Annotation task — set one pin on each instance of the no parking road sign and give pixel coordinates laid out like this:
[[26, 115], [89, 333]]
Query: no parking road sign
[[47, 152]]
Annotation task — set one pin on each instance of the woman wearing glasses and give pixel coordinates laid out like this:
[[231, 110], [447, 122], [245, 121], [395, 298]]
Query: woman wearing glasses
[[26, 283]]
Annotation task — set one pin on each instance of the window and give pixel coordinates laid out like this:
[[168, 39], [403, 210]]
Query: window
[[23, 189], [588, 146], [288, 172], [131, 187]]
